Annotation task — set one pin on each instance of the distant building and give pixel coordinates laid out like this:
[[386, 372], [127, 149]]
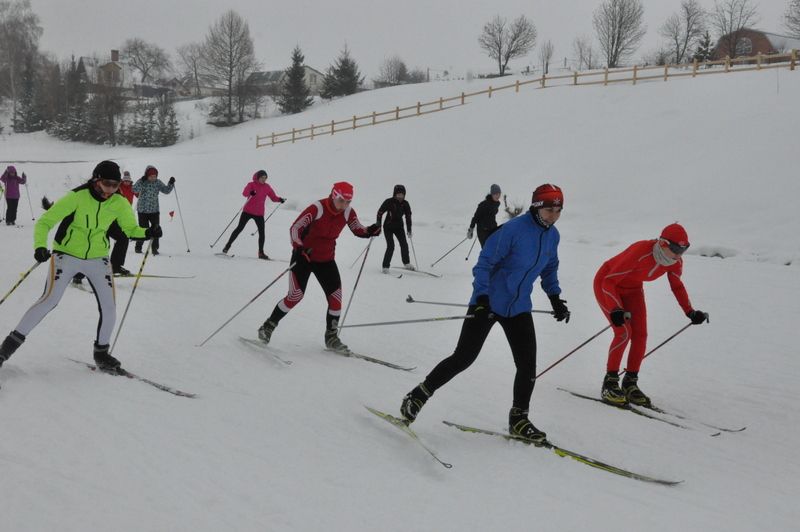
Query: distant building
[[269, 82], [754, 42], [120, 74]]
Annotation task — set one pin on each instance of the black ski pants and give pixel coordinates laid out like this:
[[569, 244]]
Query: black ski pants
[[11, 210], [120, 245], [148, 219], [243, 219], [390, 232], [521, 337]]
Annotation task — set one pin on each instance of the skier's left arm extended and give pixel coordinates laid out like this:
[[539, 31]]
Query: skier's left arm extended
[[355, 225], [678, 288]]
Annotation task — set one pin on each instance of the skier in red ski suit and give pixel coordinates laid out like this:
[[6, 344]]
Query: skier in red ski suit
[[618, 287], [313, 236]]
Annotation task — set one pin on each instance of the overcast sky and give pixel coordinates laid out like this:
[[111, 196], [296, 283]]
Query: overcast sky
[[435, 34]]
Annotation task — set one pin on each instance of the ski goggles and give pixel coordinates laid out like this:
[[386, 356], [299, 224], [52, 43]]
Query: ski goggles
[[109, 183], [675, 247]]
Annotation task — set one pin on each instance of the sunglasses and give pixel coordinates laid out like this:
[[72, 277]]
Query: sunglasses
[[676, 248]]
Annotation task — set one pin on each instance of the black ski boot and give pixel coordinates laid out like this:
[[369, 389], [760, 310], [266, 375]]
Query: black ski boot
[[611, 392], [10, 344], [332, 340], [119, 270], [226, 248], [104, 360], [413, 402], [520, 425], [633, 394], [265, 331]]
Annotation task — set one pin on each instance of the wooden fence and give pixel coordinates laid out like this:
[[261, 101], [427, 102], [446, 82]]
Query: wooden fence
[[606, 76]]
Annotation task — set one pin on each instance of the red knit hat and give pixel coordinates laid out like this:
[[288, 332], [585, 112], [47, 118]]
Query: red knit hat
[[343, 190], [547, 196], [150, 170], [676, 234]]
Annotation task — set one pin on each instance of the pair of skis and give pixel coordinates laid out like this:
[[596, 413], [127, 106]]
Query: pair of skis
[[261, 346], [402, 424], [125, 373]]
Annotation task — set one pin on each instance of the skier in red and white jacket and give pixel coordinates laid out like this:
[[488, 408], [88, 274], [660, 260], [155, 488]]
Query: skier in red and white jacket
[[313, 236], [619, 290]]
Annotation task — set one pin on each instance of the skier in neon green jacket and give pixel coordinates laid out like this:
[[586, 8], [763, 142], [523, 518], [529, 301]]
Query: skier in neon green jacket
[[80, 245]]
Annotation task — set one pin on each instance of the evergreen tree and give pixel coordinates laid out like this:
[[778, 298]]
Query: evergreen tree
[[295, 96], [28, 116], [705, 49], [167, 124], [343, 77]]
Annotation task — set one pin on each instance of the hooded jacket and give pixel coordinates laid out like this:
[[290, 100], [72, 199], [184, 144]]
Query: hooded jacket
[[12, 181], [255, 205]]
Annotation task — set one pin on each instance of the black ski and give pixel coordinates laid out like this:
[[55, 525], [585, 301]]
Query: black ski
[[264, 348], [353, 354], [125, 373], [560, 451], [151, 276], [421, 272], [685, 418], [402, 424], [640, 411]]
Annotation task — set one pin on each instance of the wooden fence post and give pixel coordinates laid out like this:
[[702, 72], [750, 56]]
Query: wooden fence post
[[605, 79], [418, 106], [794, 59], [727, 63], [758, 61], [354, 121], [544, 79], [312, 131], [634, 73], [292, 135], [694, 68], [397, 113], [462, 98], [333, 128], [273, 138], [666, 72], [490, 91], [373, 118], [575, 78], [516, 88], [441, 103]]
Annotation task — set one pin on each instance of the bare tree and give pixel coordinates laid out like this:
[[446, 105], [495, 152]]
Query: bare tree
[[792, 18], [190, 57], [393, 71], [149, 59], [19, 42], [228, 57], [545, 55], [620, 29], [585, 54], [729, 18], [503, 42], [684, 29]]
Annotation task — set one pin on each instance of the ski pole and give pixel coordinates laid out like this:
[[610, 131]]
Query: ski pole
[[470, 249], [226, 228], [247, 304], [362, 252], [30, 205], [416, 264], [401, 322], [664, 342], [451, 250], [268, 217], [133, 291], [24, 276], [2, 197], [557, 362], [358, 278], [178, 201], [410, 299]]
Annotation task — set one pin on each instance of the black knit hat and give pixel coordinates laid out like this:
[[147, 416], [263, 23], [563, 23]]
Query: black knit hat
[[107, 170], [399, 189]]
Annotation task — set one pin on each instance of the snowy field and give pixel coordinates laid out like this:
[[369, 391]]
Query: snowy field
[[266, 447]]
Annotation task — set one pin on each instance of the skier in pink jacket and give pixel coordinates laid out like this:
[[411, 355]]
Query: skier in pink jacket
[[12, 181], [257, 191]]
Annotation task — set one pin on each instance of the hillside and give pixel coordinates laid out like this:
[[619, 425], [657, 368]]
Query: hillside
[[265, 447]]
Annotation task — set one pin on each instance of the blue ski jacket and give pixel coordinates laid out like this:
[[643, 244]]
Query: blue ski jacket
[[513, 257]]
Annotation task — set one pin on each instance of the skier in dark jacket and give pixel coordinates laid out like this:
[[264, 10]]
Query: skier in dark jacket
[[395, 208], [484, 217], [524, 249]]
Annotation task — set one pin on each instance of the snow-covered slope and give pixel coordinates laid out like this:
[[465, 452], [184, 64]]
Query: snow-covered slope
[[266, 447]]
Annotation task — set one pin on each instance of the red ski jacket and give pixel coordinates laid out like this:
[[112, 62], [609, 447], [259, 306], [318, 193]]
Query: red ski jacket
[[318, 227], [633, 267]]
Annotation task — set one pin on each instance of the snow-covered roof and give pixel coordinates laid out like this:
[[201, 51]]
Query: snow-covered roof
[[271, 76], [782, 43]]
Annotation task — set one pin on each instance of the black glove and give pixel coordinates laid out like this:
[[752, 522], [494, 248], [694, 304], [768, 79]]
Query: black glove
[[41, 254], [373, 230], [282, 200], [409, 233], [697, 317], [619, 316], [301, 255], [470, 233], [483, 310], [153, 232], [171, 180], [560, 310], [252, 192]]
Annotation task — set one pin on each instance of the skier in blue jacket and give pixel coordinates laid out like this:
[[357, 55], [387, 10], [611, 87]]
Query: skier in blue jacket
[[514, 256]]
